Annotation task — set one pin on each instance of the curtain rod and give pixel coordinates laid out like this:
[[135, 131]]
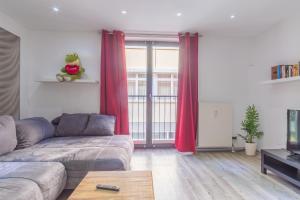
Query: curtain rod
[[166, 35], [172, 35]]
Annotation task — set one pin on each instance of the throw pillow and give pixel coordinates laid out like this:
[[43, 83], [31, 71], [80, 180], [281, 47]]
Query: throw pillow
[[72, 124], [32, 130], [100, 125]]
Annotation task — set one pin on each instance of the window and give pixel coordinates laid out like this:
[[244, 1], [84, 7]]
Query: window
[[165, 67]]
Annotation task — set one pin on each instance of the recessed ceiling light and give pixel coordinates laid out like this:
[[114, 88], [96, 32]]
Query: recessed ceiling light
[[232, 16], [124, 12], [179, 14], [55, 9]]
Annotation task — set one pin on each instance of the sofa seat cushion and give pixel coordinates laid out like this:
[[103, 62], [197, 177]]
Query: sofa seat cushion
[[49, 176], [19, 189], [79, 142], [79, 154]]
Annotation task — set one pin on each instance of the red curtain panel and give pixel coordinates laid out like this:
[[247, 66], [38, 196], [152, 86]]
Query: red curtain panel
[[187, 115], [114, 94]]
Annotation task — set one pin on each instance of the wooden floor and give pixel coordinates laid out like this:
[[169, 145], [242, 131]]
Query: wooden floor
[[210, 176]]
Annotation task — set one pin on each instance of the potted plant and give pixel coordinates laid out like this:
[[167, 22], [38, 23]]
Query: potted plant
[[251, 126]]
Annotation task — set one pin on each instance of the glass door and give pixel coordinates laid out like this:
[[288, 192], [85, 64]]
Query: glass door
[[136, 63], [164, 89], [152, 69]]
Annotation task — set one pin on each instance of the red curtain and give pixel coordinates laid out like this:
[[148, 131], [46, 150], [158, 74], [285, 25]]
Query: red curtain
[[187, 115], [114, 94]]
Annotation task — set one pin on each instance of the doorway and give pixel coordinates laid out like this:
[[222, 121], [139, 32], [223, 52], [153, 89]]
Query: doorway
[[152, 73]]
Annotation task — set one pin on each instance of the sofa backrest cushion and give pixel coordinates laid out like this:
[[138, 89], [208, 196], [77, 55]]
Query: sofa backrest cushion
[[33, 130], [8, 141], [72, 124], [56, 120], [100, 125]]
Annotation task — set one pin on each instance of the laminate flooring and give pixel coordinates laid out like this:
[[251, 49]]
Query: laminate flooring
[[210, 176]]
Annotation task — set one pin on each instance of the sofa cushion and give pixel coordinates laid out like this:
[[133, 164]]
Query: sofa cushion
[[56, 120], [49, 176], [31, 131], [19, 189], [79, 154], [72, 124], [100, 125], [8, 137]]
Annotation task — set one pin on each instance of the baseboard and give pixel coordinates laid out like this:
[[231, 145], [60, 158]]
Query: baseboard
[[153, 146], [218, 149]]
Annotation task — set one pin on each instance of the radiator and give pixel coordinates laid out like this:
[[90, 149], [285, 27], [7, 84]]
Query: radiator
[[215, 125]]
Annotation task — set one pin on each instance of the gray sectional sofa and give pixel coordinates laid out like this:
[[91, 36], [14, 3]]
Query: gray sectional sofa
[[31, 180], [38, 160]]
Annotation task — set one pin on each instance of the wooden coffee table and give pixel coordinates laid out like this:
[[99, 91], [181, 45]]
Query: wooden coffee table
[[134, 185]]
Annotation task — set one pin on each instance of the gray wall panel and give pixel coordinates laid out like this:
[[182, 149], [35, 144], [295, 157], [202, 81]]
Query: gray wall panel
[[9, 74]]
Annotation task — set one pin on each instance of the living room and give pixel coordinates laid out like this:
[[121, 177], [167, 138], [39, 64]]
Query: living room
[[149, 99]]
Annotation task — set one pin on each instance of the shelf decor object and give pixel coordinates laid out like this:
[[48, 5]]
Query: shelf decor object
[[283, 74], [284, 71], [72, 70]]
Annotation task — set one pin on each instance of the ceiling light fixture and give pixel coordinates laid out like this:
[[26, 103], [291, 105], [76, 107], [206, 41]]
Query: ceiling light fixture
[[179, 14], [232, 16], [55, 9], [124, 12]]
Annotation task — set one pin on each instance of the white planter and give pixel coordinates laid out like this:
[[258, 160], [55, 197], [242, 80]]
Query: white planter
[[250, 149]]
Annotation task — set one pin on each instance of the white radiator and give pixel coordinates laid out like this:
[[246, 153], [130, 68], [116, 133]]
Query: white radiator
[[215, 125]]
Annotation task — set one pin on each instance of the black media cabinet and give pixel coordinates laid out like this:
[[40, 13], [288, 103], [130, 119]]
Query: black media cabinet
[[280, 163]]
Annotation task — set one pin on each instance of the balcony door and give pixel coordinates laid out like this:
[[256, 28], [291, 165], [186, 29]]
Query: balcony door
[[152, 73]]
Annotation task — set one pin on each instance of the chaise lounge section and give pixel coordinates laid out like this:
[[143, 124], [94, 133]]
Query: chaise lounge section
[[79, 155], [41, 147], [31, 180]]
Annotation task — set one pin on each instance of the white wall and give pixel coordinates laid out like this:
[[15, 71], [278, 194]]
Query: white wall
[[280, 45], [49, 49], [223, 63], [42, 55], [10, 25]]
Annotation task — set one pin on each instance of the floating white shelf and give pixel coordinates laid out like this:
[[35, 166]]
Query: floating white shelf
[[53, 80], [282, 80]]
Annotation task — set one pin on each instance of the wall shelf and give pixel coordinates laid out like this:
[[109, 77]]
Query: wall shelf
[[82, 81], [282, 80]]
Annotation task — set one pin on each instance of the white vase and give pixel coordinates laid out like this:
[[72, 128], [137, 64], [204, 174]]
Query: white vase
[[250, 149]]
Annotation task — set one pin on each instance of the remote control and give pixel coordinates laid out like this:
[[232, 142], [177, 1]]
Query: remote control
[[108, 187]]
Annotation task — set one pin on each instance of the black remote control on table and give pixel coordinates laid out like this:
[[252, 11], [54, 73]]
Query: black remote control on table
[[108, 187]]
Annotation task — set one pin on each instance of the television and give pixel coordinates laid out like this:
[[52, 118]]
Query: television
[[293, 131]]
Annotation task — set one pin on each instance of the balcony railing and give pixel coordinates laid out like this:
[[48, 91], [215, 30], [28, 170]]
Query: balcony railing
[[164, 111]]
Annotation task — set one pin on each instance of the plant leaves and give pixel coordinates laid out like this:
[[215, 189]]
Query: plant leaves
[[251, 125]]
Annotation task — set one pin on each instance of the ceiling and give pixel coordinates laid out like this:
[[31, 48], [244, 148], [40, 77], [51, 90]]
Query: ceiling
[[205, 16]]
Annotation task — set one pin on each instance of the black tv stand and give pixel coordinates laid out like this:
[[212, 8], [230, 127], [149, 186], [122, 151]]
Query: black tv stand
[[282, 163], [294, 156]]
